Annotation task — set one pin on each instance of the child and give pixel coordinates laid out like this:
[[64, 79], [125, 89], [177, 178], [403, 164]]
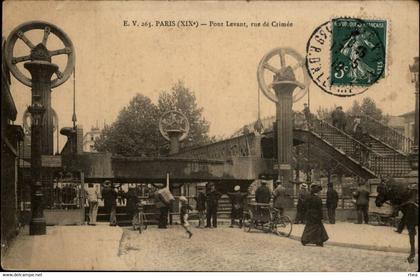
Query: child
[[184, 214]]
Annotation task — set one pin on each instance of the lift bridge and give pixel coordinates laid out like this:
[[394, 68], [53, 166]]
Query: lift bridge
[[243, 157]]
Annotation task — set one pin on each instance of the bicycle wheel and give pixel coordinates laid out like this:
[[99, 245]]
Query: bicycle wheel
[[141, 222], [144, 222], [283, 226], [247, 222], [135, 222]]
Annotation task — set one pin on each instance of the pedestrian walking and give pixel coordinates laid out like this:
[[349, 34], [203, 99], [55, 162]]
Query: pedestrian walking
[[110, 202], [200, 200], [339, 118], [280, 197], [300, 207], [131, 204], [212, 201], [362, 204], [314, 232], [307, 114], [163, 198], [184, 215], [332, 202], [237, 199], [93, 194]]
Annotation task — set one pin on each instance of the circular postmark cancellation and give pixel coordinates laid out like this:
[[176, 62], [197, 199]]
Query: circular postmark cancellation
[[345, 56]]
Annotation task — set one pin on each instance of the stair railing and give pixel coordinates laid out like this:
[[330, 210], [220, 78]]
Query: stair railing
[[385, 133], [381, 165]]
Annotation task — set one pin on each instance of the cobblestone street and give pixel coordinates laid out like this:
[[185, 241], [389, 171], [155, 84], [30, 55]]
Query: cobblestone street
[[226, 249]]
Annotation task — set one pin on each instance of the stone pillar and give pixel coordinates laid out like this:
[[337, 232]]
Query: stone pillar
[[174, 136], [41, 136], [284, 120], [41, 73]]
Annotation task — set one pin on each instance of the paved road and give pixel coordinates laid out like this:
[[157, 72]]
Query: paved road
[[226, 249]]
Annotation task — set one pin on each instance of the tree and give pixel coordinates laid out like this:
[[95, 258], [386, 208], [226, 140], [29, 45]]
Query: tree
[[134, 133], [367, 108], [182, 99], [136, 130]]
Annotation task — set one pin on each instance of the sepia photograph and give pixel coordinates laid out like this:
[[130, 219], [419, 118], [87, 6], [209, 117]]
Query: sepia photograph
[[209, 136]]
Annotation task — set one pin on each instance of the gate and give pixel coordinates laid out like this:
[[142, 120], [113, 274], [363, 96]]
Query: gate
[[64, 198]]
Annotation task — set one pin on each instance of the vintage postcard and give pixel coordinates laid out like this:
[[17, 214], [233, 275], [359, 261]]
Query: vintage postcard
[[210, 136]]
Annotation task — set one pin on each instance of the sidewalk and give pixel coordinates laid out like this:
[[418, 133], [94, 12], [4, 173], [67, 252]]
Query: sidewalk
[[67, 248], [362, 236]]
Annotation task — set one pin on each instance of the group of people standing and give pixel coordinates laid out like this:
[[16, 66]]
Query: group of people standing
[[108, 195]]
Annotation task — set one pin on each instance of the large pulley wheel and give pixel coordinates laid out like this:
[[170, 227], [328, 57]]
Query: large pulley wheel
[[35, 49], [269, 65], [174, 121]]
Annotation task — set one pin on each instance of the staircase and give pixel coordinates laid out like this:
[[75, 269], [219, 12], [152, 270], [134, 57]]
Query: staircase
[[379, 158], [381, 134]]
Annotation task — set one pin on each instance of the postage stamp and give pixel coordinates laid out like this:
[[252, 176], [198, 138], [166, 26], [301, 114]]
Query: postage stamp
[[346, 56], [358, 51]]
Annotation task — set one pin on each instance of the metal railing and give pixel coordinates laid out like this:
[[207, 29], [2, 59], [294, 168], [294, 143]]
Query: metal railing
[[381, 165], [384, 133]]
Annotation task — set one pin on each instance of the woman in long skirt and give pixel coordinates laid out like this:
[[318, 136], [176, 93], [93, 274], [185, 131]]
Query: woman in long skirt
[[314, 231]]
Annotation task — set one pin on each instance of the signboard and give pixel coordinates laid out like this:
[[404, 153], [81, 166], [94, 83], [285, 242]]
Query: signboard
[[50, 161], [282, 167], [285, 167]]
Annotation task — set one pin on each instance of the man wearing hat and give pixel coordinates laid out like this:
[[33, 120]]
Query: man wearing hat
[[131, 202], [237, 198], [212, 203], [110, 202], [263, 193], [332, 201], [279, 197], [300, 208], [339, 118]]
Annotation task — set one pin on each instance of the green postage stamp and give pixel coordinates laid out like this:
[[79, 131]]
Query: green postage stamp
[[358, 50]]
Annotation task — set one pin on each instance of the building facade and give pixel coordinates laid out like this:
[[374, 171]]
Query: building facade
[[89, 139]]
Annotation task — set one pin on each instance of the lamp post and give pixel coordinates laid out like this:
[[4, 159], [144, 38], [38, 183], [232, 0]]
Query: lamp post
[[414, 69], [38, 224]]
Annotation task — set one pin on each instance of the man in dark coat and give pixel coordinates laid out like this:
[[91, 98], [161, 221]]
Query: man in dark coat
[[362, 204], [332, 201], [163, 207], [200, 199], [263, 196], [110, 202], [307, 114], [263, 193], [339, 118], [280, 197], [314, 231], [212, 198], [237, 198], [131, 204]]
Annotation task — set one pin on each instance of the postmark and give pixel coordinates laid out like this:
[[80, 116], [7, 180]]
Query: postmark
[[346, 56]]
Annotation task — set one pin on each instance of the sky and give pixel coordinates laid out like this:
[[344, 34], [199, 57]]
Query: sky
[[114, 62]]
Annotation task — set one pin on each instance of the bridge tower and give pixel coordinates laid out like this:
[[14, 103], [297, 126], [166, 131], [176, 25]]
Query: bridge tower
[[41, 69], [174, 127], [279, 81]]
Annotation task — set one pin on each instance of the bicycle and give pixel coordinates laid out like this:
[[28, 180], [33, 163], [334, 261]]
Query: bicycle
[[268, 219], [139, 220]]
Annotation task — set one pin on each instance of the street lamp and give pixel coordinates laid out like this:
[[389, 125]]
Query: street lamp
[[414, 69], [38, 224]]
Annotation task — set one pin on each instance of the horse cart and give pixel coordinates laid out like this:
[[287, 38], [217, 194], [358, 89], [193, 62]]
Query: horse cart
[[385, 215], [268, 219]]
